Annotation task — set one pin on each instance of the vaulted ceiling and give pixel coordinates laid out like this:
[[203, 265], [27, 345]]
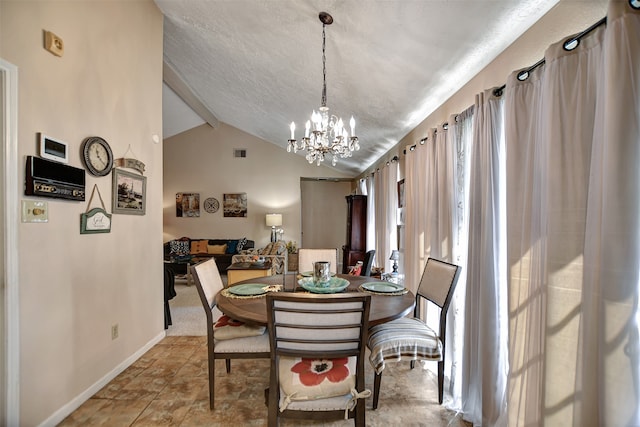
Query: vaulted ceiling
[[257, 65]]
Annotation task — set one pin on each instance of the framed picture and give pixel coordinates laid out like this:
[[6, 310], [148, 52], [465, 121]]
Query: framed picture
[[188, 205], [235, 205], [401, 193], [129, 193]]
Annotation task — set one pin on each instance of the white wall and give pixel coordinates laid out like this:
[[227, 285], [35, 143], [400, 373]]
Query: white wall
[[74, 287], [566, 18], [201, 161]]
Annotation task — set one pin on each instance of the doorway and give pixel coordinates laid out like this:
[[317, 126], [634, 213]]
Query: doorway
[[324, 213], [9, 342]]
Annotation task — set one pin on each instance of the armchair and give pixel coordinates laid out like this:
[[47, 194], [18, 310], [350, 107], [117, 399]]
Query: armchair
[[276, 252]]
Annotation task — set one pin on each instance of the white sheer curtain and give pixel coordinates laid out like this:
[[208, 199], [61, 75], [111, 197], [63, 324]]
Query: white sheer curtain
[[484, 368], [386, 202], [460, 138], [436, 191], [371, 216], [573, 156]]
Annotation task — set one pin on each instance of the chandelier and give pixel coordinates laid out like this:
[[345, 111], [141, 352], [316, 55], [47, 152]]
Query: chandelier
[[325, 134]]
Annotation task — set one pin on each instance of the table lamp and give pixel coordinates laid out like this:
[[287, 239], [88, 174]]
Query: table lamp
[[273, 221], [395, 256]]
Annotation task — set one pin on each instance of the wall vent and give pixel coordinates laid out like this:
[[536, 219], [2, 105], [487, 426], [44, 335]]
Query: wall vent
[[240, 152]]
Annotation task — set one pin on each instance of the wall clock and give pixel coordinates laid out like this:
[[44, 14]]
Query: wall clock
[[97, 156], [211, 205]]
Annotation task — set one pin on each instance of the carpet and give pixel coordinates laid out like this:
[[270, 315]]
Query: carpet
[[187, 314]]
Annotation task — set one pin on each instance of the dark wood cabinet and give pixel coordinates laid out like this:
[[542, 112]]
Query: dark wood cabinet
[[356, 245]]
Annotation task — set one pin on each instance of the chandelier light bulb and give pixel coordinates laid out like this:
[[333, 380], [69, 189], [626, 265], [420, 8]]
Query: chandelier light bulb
[[292, 126]]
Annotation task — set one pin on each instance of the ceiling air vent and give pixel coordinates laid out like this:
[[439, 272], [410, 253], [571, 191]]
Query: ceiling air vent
[[240, 152]]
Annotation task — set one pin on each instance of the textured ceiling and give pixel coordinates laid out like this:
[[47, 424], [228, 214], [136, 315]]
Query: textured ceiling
[[257, 65]]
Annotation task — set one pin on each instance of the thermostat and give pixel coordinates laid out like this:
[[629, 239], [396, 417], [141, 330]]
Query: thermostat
[[53, 149]]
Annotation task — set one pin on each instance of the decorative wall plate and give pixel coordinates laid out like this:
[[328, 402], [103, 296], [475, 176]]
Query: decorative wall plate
[[211, 205]]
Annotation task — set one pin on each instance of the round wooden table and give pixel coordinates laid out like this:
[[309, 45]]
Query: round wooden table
[[384, 308]]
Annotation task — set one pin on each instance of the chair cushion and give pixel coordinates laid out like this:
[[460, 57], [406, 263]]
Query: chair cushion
[[402, 339], [256, 344], [227, 328], [309, 379]]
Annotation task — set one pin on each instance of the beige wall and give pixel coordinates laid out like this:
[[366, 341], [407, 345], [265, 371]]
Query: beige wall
[[201, 161], [73, 287], [566, 18]]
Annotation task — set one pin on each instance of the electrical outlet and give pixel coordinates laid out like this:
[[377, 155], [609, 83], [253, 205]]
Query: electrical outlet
[[114, 331]]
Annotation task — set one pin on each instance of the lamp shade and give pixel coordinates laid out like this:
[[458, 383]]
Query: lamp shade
[[274, 220], [395, 255]]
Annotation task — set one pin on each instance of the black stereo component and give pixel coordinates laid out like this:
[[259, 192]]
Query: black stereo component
[[46, 178]]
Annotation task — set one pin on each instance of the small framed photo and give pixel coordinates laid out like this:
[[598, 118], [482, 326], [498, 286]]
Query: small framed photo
[[235, 205], [129, 193], [188, 205], [53, 149]]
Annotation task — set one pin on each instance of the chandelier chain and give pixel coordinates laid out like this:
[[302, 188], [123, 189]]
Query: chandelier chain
[[324, 69]]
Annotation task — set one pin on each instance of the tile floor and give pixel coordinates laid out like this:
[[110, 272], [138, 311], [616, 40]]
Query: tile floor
[[167, 386]]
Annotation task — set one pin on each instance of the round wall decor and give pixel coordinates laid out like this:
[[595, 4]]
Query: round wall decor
[[97, 156], [211, 205]]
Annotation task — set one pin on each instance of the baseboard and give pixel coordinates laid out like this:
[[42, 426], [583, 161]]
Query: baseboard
[[57, 417]]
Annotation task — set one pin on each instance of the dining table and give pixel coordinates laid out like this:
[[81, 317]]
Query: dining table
[[385, 306]]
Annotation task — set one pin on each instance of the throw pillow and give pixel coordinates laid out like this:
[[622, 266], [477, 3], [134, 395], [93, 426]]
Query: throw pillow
[[232, 247], [267, 249], [278, 248], [241, 244], [227, 328], [179, 247], [198, 247], [307, 379], [216, 249]]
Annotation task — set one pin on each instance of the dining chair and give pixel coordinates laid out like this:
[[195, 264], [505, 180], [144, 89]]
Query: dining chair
[[317, 356], [226, 338], [367, 263], [410, 338], [306, 258]]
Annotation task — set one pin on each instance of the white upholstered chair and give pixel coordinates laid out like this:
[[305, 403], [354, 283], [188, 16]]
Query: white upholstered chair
[[306, 258], [410, 338], [317, 355], [233, 341]]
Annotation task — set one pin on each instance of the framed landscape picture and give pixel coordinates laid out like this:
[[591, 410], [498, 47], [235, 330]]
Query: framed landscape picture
[[235, 205], [129, 193]]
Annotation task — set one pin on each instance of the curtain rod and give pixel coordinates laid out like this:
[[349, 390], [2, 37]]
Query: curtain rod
[[569, 44]]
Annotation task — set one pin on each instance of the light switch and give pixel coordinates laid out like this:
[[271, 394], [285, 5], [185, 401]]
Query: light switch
[[35, 211], [53, 43]]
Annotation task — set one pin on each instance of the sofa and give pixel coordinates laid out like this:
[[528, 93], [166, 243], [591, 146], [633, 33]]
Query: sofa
[[180, 252], [275, 252]]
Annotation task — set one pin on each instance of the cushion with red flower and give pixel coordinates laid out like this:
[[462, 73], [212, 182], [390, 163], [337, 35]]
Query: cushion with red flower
[[227, 328], [308, 379]]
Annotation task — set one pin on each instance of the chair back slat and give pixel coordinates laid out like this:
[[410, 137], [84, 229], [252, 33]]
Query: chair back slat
[[306, 258], [313, 323], [367, 263]]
